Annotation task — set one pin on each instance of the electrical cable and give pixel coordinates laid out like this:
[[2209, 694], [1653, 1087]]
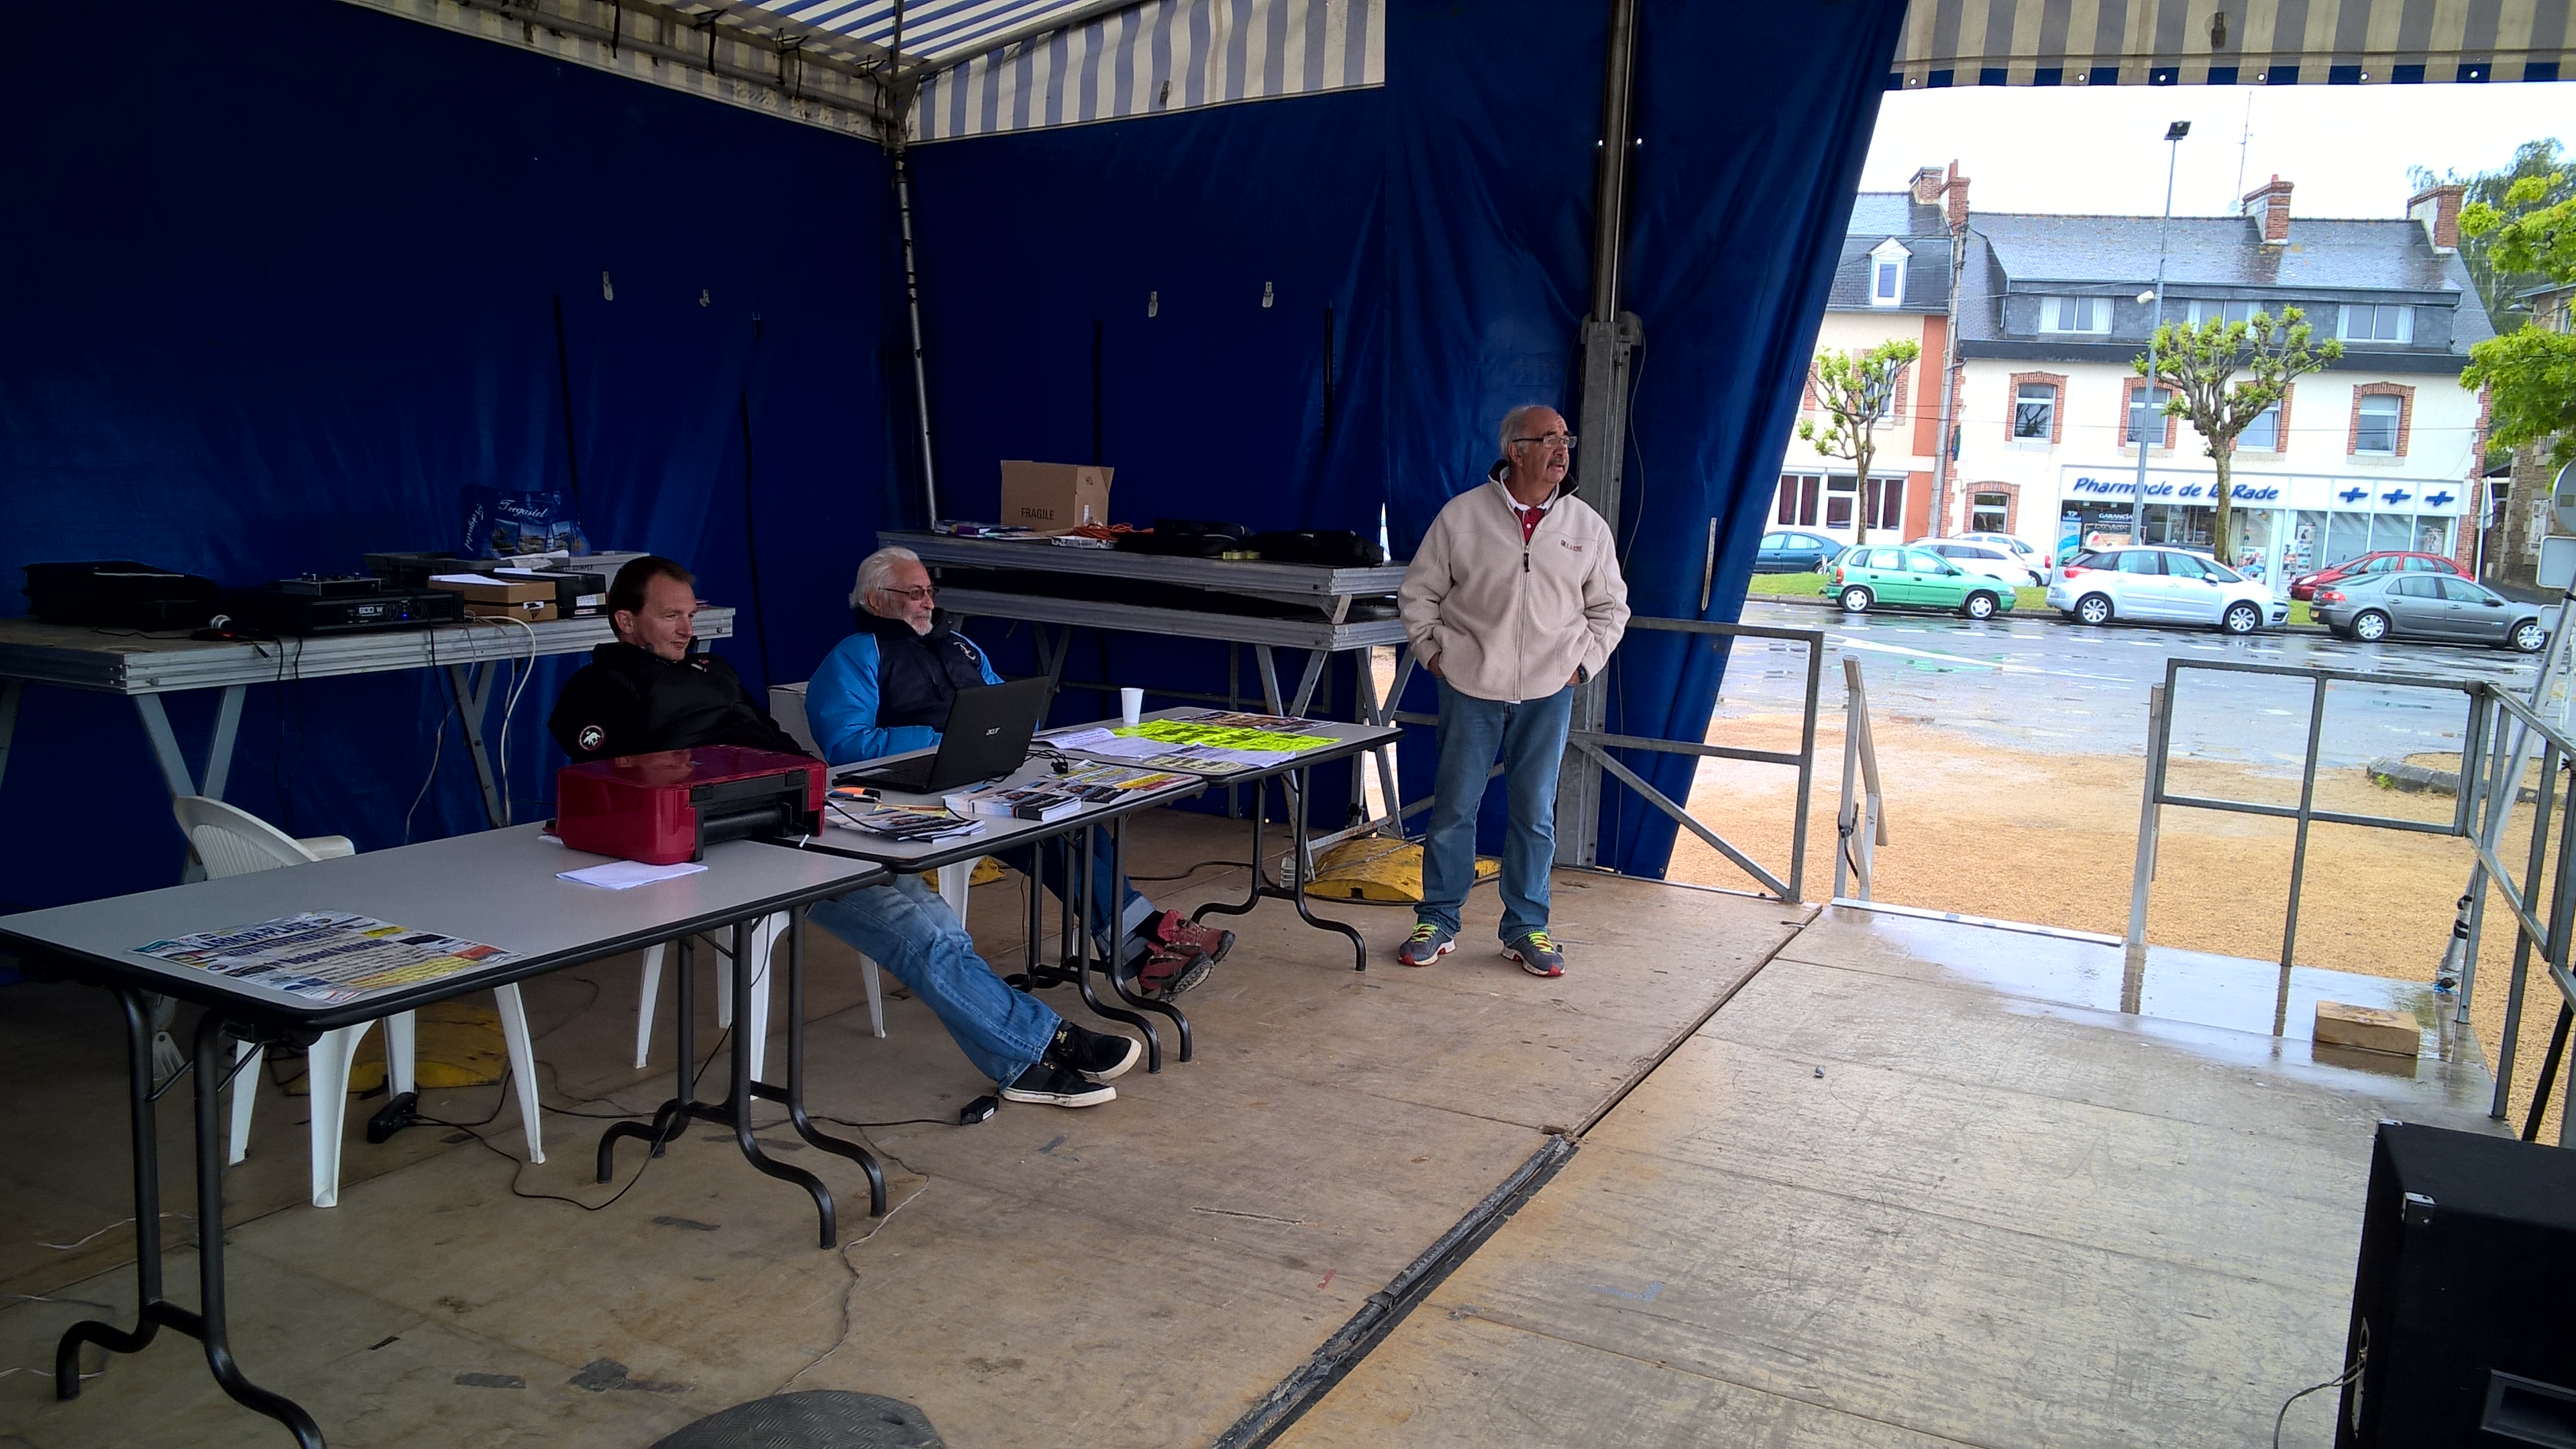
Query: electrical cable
[[2347, 1376], [438, 748], [677, 1125]]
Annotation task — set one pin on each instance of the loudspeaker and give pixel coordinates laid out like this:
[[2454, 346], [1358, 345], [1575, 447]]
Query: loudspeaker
[[2460, 1305]]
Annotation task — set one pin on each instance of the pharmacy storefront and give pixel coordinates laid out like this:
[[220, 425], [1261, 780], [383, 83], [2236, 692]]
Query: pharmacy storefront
[[2284, 524]]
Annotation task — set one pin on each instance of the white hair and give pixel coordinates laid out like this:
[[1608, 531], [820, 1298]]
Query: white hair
[[1512, 423], [876, 571]]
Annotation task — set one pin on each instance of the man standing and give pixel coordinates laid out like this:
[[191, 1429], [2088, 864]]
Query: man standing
[[648, 692], [1512, 600], [886, 689]]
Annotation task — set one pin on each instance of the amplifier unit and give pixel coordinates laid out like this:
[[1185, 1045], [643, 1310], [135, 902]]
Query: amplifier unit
[[283, 609]]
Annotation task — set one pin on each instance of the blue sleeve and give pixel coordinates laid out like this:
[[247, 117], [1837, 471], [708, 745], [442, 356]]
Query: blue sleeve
[[981, 661], [841, 708]]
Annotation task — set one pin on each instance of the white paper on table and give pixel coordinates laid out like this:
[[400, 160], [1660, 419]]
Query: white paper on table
[[620, 875], [1126, 747], [1091, 738]]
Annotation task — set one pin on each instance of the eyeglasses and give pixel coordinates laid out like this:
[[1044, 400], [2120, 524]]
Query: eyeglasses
[[926, 591], [1551, 441]]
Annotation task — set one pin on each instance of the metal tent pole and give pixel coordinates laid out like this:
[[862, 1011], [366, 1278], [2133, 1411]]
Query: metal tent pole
[[906, 92], [1609, 337]]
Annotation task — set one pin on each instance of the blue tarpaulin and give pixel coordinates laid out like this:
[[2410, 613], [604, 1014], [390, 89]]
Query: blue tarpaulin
[[288, 286]]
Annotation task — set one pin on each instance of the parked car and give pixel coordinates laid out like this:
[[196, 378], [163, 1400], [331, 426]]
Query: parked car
[[1866, 578], [1793, 551], [2161, 585], [2387, 562], [2031, 556], [2402, 605], [1992, 560]]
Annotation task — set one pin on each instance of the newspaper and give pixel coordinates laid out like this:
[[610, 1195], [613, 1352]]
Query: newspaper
[[327, 956]]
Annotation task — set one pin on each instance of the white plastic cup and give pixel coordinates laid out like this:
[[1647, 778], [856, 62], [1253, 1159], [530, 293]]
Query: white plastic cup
[[1131, 706]]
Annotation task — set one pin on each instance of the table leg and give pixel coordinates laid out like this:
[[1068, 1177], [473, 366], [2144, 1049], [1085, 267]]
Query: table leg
[[1260, 810], [795, 1094], [473, 697], [212, 1059], [151, 1310], [1295, 890], [1297, 883], [736, 1108], [1080, 870], [1118, 866]]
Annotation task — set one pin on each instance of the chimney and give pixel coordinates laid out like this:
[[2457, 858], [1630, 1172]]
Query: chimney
[[2274, 196], [1954, 190], [1927, 185], [2438, 208]]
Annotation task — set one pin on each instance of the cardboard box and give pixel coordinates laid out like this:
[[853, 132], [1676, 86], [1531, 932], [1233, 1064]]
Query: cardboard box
[[1053, 497], [480, 589], [533, 611], [2368, 1028]]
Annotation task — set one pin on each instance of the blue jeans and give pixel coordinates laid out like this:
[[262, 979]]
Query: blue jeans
[[1130, 914], [907, 929], [1531, 737]]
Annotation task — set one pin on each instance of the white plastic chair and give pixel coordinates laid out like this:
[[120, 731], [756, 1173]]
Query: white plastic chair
[[232, 841], [764, 942]]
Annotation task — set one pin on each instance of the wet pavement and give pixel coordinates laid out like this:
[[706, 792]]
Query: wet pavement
[[2039, 684]]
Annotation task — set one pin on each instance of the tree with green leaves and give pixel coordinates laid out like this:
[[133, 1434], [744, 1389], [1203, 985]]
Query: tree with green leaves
[[2200, 363], [2530, 372], [1856, 392]]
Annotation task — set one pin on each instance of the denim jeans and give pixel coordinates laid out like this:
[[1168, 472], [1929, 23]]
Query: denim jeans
[[1531, 738], [908, 930], [1130, 914]]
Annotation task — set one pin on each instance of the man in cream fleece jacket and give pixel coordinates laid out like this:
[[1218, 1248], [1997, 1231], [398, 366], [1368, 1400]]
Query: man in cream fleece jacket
[[1513, 599]]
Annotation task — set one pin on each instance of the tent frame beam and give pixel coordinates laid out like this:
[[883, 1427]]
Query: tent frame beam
[[1610, 339]]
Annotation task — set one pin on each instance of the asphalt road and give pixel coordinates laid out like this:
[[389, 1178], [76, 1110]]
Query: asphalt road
[[2036, 683]]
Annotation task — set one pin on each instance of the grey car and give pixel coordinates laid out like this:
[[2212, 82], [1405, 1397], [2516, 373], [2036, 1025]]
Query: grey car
[[2428, 606]]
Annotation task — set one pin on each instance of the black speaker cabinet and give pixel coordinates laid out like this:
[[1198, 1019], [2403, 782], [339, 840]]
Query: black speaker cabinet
[[2464, 1305]]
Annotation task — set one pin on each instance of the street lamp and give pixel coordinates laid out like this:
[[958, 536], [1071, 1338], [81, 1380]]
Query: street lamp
[[2146, 394]]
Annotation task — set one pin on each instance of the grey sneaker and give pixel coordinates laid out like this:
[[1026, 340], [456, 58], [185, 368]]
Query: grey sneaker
[[1537, 954], [1427, 944]]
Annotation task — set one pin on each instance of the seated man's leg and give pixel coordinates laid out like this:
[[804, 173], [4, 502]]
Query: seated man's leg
[[1010, 1036], [1168, 952]]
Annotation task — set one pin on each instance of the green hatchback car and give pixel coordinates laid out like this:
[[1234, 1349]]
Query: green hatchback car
[[1866, 578]]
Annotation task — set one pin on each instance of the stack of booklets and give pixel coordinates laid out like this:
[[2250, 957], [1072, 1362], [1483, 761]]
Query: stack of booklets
[[908, 824], [1043, 800]]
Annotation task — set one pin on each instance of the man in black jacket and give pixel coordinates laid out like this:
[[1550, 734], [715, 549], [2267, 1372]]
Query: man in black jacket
[[647, 692]]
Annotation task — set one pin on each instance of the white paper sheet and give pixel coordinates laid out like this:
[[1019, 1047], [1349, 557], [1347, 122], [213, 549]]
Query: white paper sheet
[[619, 875]]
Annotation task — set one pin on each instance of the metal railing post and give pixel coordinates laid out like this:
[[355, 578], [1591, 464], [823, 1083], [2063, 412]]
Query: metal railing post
[[1806, 775], [2512, 1033], [2159, 700]]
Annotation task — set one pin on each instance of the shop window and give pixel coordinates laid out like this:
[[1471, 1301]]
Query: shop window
[[1886, 508], [2347, 537], [1798, 497], [1990, 513]]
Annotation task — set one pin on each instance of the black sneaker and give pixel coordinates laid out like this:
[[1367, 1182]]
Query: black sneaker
[[1049, 1085], [1095, 1055]]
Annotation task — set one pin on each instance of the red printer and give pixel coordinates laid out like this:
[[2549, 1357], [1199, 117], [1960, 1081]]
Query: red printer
[[669, 806]]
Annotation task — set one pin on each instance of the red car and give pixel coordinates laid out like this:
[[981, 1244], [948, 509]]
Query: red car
[[2305, 585]]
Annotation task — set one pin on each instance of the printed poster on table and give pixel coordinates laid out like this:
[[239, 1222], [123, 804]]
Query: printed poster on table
[[327, 956]]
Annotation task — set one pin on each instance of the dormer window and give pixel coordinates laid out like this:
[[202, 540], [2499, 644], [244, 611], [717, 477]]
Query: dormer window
[[2383, 325], [2075, 314], [1887, 273], [2204, 312]]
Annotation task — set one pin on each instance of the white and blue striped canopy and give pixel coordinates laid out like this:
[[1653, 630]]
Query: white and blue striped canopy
[[2233, 42]]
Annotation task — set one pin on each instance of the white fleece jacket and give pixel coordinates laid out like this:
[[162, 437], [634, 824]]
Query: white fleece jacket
[[1507, 620]]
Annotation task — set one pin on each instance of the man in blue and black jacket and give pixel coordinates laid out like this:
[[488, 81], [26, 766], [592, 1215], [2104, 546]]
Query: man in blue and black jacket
[[886, 689]]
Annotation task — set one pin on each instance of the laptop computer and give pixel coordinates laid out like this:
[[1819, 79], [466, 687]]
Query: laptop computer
[[988, 731]]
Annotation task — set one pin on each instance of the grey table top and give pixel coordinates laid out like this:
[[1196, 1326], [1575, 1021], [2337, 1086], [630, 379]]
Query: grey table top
[[126, 661], [498, 887], [1238, 576], [997, 834], [1348, 739]]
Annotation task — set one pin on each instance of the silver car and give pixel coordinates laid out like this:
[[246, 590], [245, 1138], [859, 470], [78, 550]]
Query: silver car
[[2428, 606]]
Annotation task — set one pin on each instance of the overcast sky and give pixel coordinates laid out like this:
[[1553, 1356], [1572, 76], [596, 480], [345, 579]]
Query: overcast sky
[[2344, 148]]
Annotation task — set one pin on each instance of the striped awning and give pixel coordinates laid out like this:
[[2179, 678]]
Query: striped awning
[[1158, 57], [2233, 42]]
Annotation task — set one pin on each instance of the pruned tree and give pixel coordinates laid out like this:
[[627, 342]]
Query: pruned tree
[[2224, 375], [1856, 392], [2529, 373]]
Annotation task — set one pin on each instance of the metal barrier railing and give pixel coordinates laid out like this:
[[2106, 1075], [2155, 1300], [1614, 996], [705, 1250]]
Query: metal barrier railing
[[1594, 745], [1862, 821], [2499, 737]]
